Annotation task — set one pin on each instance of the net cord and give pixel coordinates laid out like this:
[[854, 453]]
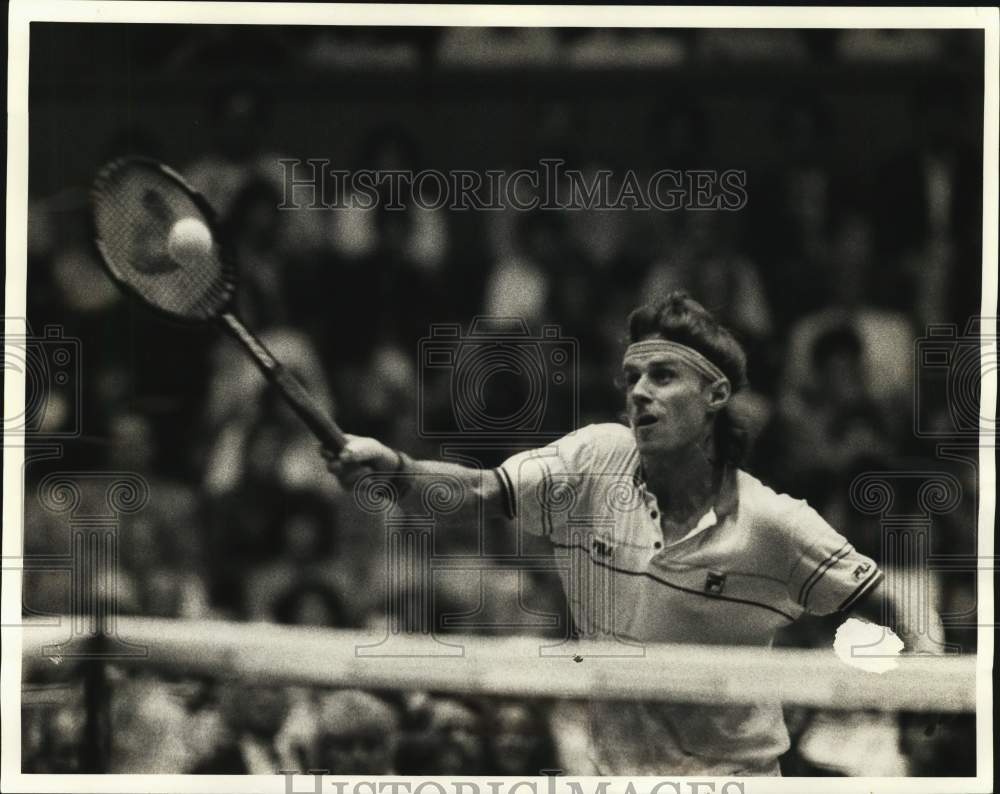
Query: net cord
[[524, 666]]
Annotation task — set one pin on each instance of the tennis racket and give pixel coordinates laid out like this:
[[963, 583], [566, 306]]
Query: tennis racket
[[159, 242]]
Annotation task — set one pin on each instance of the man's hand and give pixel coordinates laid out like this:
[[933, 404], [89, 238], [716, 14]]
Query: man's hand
[[361, 456], [482, 490]]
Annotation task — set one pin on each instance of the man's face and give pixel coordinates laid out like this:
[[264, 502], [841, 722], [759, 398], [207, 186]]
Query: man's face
[[455, 733], [667, 403], [357, 735], [357, 750], [842, 379], [259, 711], [515, 737]]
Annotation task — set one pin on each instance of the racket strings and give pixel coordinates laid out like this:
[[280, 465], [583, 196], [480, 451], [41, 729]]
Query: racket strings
[[142, 215]]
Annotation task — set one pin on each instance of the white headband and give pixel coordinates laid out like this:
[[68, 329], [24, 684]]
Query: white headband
[[650, 347]]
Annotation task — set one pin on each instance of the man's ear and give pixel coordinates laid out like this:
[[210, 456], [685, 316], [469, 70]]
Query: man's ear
[[718, 395]]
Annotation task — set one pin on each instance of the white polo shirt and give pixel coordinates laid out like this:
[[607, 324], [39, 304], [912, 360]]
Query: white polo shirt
[[754, 563]]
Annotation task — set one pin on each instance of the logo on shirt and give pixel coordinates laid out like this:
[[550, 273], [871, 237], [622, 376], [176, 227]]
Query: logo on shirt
[[602, 548], [861, 570], [715, 583]]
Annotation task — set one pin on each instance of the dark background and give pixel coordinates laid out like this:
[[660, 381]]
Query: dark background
[[863, 154]]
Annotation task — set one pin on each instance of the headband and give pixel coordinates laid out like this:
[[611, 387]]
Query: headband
[[690, 356]]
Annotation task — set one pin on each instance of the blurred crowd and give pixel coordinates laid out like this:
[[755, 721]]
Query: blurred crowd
[[829, 278], [210, 728]]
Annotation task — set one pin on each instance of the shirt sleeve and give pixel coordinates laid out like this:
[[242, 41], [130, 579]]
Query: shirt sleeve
[[542, 486], [829, 574]]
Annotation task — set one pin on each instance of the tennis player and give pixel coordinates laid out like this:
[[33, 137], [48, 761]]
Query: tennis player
[[666, 539]]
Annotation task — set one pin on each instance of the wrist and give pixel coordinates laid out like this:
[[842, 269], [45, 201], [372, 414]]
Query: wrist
[[403, 462], [404, 466]]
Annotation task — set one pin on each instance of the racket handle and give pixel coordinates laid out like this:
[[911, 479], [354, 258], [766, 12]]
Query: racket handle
[[295, 394], [324, 428]]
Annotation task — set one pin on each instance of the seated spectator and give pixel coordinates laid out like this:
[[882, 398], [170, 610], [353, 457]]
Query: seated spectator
[[239, 403], [942, 748], [305, 533], [519, 285], [240, 113], [163, 554], [256, 227], [707, 261], [254, 716], [829, 421], [149, 729], [357, 733], [56, 745], [356, 233], [519, 739], [852, 744], [444, 738], [310, 603], [850, 279]]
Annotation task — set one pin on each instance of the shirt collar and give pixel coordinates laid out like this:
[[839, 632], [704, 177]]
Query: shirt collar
[[729, 495], [726, 502]]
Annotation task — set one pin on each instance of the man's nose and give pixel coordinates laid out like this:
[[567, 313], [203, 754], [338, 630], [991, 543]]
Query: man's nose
[[640, 392]]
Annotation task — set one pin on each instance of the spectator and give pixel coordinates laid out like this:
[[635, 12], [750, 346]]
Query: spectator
[[239, 114], [927, 207], [821, 429], [520, 741], [310, 604], [519, 285], [852, 298], [357, 733], [254, 716], [58, 744], [445, 738], [305, 536], [255, 228], [356, 233], [706, 260], [149, 729], [790, 209]]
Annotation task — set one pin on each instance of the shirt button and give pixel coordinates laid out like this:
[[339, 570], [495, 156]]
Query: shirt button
[[657, 545], [654, 514]]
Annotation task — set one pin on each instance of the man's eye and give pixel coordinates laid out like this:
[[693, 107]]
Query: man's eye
[[663, 374], [631, 378]]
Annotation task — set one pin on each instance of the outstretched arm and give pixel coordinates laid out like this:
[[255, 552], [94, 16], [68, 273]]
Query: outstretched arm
[[362, 455], [880, 608]]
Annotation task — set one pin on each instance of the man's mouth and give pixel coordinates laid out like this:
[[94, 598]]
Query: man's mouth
[[644, 420]]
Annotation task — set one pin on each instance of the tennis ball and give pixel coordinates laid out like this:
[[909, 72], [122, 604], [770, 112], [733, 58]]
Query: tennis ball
[[189, 240]]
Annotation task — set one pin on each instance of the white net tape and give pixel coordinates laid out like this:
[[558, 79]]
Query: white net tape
[[532, 667]]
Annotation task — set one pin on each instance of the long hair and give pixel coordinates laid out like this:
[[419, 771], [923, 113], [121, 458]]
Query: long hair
[[680, 318]]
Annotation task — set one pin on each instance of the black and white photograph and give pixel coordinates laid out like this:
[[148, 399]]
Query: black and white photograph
[[489, 399]]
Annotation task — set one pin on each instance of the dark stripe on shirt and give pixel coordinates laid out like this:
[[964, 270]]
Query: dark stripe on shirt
[[507, 487], [821, 569], [863, 589], [671, 585], [547, 485]]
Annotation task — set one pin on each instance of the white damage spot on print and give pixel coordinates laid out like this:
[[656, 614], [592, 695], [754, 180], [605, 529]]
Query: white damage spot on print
[[867, 646]]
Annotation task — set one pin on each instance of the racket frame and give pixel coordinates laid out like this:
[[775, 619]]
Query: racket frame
[[290, 388], [209, 218]]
